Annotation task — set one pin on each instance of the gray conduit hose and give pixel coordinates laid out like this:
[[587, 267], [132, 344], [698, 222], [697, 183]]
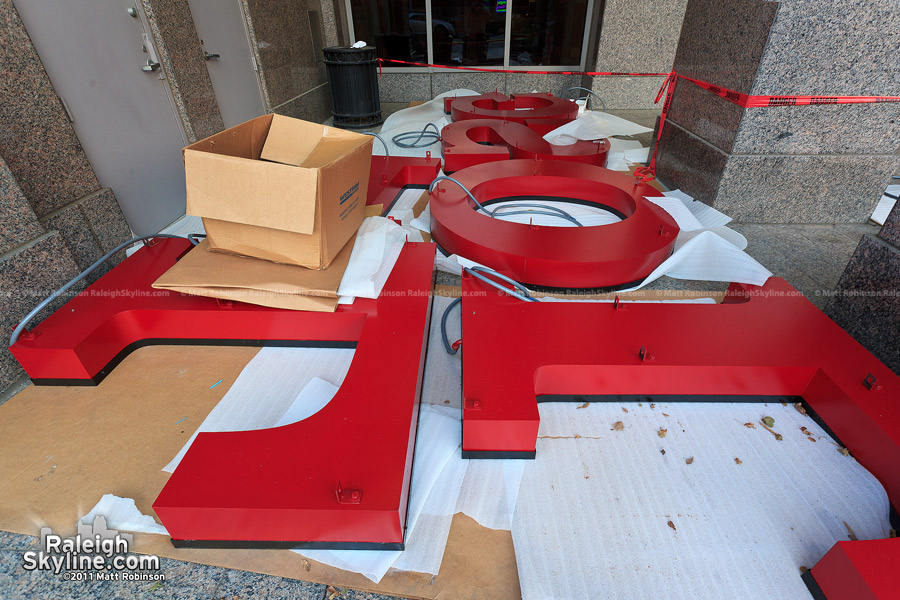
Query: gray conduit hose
[[402, 139], [387, 151], [550, 211], [31, 315], [591, 92], [519, 291]]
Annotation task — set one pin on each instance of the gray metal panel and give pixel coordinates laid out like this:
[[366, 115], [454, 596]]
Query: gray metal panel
[[222, 28], [124, 117]]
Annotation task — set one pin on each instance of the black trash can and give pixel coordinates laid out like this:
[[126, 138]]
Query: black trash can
[[353, 78]]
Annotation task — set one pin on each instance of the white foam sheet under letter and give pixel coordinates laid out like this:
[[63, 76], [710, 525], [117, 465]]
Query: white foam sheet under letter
[[607, 513]]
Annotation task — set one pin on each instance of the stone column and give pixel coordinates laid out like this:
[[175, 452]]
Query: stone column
[[636, 37], [866, 301], [796, 164]]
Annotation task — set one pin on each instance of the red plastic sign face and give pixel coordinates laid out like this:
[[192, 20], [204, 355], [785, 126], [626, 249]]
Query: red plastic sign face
[[540, 112], [566, 257], [764, 341], [390, 175], [472, 142]]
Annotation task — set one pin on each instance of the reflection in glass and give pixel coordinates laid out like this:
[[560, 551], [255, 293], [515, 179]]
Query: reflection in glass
[[467, 32], [547, 32], [395, 27]]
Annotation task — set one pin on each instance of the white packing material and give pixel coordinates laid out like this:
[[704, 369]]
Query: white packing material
[[413, 120], [423, 221], [402, 210], [489, 491], [594, 125], [885, 204], [709, 257], [311, 399], [436, 442], [262, 393], [693, 217], [378, 245], [122, 514], [706, 214], [443, 371], [714, 509]]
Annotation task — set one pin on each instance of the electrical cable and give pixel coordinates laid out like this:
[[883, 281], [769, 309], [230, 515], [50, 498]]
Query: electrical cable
[[587, 98], [447, 345], [550, 211], [193, 237], [387, 152], [31, 315], [523, 292], [401, 139]]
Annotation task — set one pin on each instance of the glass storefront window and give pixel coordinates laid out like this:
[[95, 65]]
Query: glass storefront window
[[474, 32], [395, 27], [547, 32]]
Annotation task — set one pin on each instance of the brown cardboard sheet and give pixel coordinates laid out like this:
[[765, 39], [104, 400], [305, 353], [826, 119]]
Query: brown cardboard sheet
[[218, 275]]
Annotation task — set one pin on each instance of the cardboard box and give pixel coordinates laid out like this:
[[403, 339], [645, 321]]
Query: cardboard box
[[278, 188]]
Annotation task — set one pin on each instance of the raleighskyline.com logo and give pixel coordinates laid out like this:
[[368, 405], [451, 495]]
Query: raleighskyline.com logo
[[95, 553]]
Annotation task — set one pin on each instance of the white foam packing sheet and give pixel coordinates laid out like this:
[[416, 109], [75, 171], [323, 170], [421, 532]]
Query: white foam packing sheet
[[379, 242], [885, 204], [595, 506], [122, 514]]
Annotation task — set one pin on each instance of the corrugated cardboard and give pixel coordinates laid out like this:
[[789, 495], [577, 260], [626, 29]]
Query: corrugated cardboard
[[280, 189], [243, 279]]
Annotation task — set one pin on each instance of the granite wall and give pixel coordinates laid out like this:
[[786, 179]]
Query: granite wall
[[636, 37], [866, 301], [181, 53], [797, 164], [284, 35]]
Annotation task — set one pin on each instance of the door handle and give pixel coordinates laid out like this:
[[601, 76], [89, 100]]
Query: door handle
[[151, 66], [208, 56]]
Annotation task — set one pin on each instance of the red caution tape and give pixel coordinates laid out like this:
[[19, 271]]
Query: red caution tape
[[668, 89]]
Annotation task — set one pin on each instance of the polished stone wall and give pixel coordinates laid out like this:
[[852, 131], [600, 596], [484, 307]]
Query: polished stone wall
[[181, 53], [291, 70], [799, 164], [636, 37]]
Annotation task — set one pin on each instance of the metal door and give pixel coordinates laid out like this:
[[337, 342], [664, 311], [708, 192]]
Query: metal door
[[96, 53], [232, 68]]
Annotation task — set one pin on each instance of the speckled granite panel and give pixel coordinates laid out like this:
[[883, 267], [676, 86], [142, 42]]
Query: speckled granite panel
[[284, 43], [470, 80], [18, 223], [314, 106], [28, 275], [722, 42], [404, 87], [828, 48], [628, 92], [173, 20], [803, 189], [866, 301], [38, 142], [687, 162], [329, 23], [890, 231], [706, 115], [76, 234], [103, 214], [523, 83], [639, 36], [823, 129]]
